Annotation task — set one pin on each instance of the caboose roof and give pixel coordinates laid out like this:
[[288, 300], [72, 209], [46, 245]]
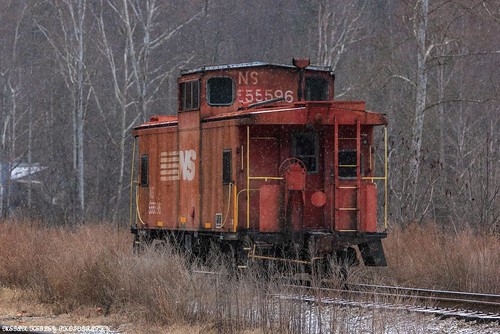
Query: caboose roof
[[207, 68], [346, 112]]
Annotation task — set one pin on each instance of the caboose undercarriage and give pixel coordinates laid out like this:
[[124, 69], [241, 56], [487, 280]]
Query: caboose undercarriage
[[252, 246]]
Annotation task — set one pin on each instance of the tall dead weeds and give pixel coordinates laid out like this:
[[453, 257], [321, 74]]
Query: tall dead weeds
[[427, 255], [93, 265]]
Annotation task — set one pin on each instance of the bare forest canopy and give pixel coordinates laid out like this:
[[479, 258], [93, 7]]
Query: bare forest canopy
[[77, 75]]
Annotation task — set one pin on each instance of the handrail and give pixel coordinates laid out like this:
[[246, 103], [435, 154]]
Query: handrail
[[360, 213], [248, 176], [235, 208], [373, 178], [228, 205], [133, 184], [383, 178], [386, 172], [137, 205], [266, 178], [248, 201], [131, 194]]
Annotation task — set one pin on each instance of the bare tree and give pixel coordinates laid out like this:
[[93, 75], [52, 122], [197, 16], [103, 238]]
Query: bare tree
[[420, 20], [13, 116], [136, 79], [67, 41], [144, 36], [441, 39], [339, 25]]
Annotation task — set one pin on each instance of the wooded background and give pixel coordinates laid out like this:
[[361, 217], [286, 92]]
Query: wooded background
[[77, 75]]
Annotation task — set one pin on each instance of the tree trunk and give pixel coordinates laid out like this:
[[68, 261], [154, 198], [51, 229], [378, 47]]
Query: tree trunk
[[421, 95]]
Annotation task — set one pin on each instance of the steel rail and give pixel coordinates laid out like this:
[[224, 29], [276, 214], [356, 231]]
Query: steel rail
[[440, 295], [485, 308]]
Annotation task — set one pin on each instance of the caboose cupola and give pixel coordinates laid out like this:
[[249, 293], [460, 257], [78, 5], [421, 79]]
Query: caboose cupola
[[216, 90]]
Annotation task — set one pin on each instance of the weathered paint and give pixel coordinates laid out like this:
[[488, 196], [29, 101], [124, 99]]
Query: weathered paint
[[186, 188]]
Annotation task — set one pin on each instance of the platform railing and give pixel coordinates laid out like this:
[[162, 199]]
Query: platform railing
[[383, 178]]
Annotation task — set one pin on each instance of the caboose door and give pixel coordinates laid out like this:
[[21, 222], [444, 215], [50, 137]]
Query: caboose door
[[308, 147]]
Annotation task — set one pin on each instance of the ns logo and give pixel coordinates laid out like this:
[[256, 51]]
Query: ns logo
[[173, 164], [187, 159]]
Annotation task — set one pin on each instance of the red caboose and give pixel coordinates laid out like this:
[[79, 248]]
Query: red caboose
[[261, 160]]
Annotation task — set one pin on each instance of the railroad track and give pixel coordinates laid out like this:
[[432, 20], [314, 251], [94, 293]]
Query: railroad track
[[468, 300], [478, 307]]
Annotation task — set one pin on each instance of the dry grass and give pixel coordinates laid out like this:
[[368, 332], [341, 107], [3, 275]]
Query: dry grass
[[94, 266], [430, 256], [62, 267]]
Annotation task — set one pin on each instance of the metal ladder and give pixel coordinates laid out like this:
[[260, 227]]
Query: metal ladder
[[338, 189]]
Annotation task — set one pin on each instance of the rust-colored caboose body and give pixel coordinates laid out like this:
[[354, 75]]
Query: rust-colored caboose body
[[261, 159]]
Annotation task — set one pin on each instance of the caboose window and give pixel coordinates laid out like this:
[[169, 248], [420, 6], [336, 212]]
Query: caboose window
[[305, 148], [190, 95], [144, 170], [220, 91], [347, 164], [226, 166], [316, 89]]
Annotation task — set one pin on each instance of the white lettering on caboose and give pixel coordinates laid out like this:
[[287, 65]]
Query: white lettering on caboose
[[187, 164], [251, 90], [175, 163]]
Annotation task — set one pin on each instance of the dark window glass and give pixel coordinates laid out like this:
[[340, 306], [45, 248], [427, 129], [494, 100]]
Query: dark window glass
[[305, 148], [144, 170], [226, 166], [196, 94], [220, 91], [316, 89], [190, 95], [347, 164]]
